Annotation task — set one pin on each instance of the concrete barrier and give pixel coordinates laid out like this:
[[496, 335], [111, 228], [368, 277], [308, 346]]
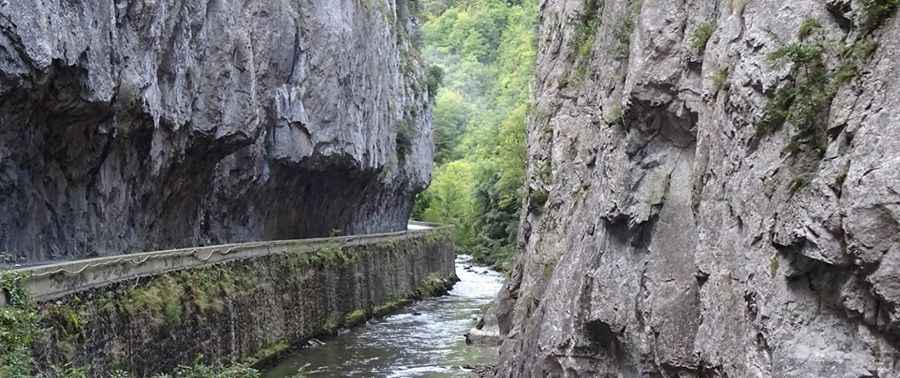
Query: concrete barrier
[[149, 312]]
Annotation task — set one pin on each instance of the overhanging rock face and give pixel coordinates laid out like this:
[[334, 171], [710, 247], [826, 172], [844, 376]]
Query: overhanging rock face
[[151, 312], [144, 125]]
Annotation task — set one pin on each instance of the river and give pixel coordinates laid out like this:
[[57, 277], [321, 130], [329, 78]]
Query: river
[[423, 340]]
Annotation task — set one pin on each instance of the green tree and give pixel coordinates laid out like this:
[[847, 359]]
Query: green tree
[[449, 199], [486, 49], [451, 114]]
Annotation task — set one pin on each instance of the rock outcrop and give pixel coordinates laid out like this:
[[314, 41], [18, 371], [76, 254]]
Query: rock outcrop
[[149, 124], [486, 331], [713, 190]]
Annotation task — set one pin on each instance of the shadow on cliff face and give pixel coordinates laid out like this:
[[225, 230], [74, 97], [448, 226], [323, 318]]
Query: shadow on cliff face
[[344, 200], [80, 184], [158, 128], [76, 185]]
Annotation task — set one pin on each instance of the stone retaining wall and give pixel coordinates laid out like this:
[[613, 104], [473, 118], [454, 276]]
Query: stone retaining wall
[[148, 313]]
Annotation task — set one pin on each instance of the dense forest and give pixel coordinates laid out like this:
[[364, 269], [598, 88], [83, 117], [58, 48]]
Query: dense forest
[[485, 49]]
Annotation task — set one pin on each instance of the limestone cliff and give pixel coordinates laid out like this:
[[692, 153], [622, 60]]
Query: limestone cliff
[[147, 124], [713, 190]]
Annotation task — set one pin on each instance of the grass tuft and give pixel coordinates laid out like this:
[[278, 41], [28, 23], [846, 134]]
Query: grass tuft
[[874, 12], [807, 28], [701, 36], [720, 79]]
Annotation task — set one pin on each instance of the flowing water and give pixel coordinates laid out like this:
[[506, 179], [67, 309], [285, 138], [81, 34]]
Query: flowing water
[[423, 340]]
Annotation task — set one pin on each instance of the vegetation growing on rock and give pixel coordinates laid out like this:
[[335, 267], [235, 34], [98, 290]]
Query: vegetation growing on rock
[[585, 33], [701, 36], [813, 83], [874, 12], [720, 78], [625, 29]]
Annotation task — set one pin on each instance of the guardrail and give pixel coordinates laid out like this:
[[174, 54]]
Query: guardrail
[[150, 312], [52, 281]]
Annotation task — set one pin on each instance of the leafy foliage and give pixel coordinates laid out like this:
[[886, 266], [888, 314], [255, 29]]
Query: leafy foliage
[[19, 323], [874, 12], [435, 78], [701, 36], [486, 49], [450, 198], [199, 370], [451, 115], [800, 102], [804, 100]]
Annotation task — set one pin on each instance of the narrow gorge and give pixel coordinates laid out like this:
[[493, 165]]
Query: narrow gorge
[[331, 188]]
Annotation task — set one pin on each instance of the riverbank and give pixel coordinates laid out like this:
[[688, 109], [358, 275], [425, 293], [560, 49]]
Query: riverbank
[[424, 339]]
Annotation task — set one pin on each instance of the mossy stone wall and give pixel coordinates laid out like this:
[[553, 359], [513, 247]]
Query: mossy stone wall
[[238, 310]]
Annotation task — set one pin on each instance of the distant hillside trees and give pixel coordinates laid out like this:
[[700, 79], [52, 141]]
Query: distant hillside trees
[[486, 50]]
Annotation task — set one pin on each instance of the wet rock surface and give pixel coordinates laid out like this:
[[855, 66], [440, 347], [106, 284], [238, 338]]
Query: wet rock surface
[[142, 125], [486, 330], [668, 235]]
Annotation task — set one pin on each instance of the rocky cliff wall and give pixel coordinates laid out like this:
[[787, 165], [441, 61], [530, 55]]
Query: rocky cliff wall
[[151, 124], [713, 190]]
